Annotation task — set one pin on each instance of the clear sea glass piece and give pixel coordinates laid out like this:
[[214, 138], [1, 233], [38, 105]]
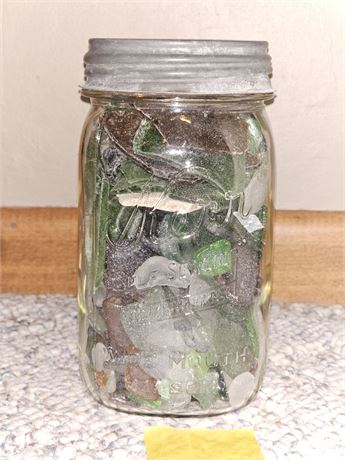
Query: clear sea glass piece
[[99, 355], [200, 290], [160, 271], [241, 388], [154, 364], [150, 325], [255, 194], [195, 336], [251, 223], [97, 322]]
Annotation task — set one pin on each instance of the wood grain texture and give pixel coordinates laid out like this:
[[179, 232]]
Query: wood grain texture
[[39, 253], [39, 250], [309, 257]]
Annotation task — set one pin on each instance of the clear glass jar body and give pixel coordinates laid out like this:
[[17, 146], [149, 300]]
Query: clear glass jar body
[[175, 252]]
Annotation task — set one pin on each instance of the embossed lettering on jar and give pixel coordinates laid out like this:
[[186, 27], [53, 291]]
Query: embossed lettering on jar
[[175, 224]]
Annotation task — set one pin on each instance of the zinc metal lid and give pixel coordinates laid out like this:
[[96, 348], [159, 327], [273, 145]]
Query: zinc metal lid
[[178, 66]]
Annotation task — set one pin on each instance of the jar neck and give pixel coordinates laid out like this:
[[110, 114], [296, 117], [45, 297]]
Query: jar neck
[[233, 102]]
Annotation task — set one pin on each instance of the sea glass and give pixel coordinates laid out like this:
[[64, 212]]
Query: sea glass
[[179, 215]]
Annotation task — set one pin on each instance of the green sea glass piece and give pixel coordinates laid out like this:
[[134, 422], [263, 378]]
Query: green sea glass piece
[[114, 230], [216, 168], [101, 226], [213, 259], [179, 235], [233, 348], [147, 137], [141, 402], [163, 388], [91, 168], [251, 330], [200, 362], [255, 136], [258, 235], [135, 175], [133, 178], [207, 388]]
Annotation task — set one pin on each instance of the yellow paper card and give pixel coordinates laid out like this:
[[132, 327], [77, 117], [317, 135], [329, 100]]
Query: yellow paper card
[[166, 443]]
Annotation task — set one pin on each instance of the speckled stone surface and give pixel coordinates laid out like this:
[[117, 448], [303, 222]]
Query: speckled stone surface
[[46, 413]]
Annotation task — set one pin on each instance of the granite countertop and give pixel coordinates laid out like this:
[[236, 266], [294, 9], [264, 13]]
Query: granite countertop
[[46, 413]]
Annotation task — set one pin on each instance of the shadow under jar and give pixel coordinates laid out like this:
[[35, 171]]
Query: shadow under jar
[[175, 218]]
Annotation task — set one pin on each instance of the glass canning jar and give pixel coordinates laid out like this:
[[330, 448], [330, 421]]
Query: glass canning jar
[[175, 224]]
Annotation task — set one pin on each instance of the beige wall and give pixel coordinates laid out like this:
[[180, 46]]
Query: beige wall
[[43, 46]]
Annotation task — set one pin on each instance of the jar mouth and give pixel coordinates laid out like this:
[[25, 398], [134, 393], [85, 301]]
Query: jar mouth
[[170, 96], [183, 67], [103, 97]]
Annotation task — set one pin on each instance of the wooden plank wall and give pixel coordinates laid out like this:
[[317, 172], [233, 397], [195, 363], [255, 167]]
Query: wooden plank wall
[[39, 250], [39, 253]]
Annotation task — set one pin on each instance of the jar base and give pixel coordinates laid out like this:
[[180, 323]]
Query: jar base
[[194, 411]]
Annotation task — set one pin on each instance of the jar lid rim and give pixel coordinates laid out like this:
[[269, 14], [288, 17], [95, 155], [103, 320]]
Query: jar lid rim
[[178, 66], [173, 40]]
